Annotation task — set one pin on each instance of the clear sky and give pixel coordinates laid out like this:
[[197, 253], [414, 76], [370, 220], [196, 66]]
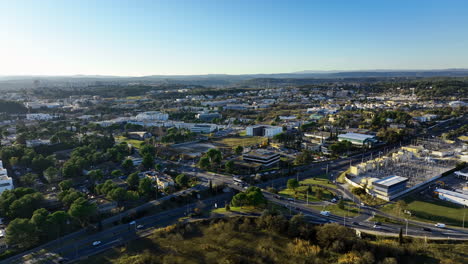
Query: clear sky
[[136, 37]]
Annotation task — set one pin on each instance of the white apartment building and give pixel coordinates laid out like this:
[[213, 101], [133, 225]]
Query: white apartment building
[[152, 115], [39, 116], [6, 183]]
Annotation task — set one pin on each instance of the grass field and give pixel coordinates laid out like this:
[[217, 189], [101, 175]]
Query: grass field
[[319, 180], [432, 210], [134, 142], [301, 194], [232, 142]]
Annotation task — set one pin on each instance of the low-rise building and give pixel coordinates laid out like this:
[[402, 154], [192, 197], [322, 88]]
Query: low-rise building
[[358, 139], [387, 187], [454, 197], [39, 117], [208, 116], [263, 130], [6, 183], [264, 157], [152, 115]]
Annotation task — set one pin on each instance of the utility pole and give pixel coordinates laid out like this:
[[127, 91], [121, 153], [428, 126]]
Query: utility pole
[[464, 213], [406, 227]]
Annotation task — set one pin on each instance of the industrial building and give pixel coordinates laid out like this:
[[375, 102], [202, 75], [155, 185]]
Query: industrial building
[[263, 130], [389, 186], [454, 197], [264, 157], [358, 139]]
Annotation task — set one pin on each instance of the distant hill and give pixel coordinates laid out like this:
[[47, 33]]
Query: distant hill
[[294, 78]]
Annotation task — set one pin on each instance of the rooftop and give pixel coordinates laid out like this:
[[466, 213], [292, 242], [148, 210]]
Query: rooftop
[[356, 136], [260, 153], [391, 180], [455, 194]]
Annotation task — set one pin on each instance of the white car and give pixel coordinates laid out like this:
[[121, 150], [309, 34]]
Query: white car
[[139, 226], [132, 222], [96, 243], [325, 213], [440, 225], [376, 226]]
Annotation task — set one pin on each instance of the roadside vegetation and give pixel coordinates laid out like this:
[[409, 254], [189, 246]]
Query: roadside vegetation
[[271, 238]]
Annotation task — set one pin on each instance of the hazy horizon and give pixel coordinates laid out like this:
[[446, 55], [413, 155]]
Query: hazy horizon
[[132, 39]]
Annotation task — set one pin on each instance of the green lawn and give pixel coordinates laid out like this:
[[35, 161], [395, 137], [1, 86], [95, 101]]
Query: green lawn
[[320, 180], [232, 142], [301, 194], [134, 142], [348, 210], [432, 210]]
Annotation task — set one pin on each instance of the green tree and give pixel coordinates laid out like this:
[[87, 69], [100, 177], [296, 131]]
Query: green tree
[[21, 232], [116, 173], [133, 180], [51, 174], [96, 175], [148, 161], [39, 219], [29, 179], [238, 150], [204, 163], [229, 166], [145, 187], [58, 222], [127, 165], [305, 157], [25, 206], [65, 185], [118, 194], [69, 196], [182, 180], [82, 210], [292, 184]]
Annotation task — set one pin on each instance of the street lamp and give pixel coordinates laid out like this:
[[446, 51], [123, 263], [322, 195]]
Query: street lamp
[[406, 233]]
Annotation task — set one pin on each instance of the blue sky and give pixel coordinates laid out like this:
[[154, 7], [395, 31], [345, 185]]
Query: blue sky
[[112, 37]]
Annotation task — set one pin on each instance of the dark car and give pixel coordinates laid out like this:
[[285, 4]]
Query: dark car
[[426, 229], [377, 223], [355, 223]]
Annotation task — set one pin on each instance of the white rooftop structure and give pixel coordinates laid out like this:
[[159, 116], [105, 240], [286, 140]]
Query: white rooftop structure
[[390, 181]]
